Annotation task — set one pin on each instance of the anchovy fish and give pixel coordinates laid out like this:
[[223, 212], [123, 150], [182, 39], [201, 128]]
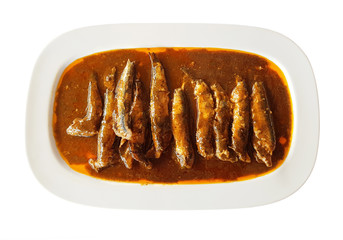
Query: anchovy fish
[[205, 118], [89, 125], [264, 135], [159, 108], [123, 101], [183, 145], [106, 135], [221, 123], [240, 124], [139, 126]]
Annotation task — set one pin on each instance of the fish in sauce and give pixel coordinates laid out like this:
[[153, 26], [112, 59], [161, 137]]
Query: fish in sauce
[[263, 138], [123, 101], [139, 126], [240, 123], [106, 136], [205, 118], [179, 119], [215, 67], [221, 123], [159, 108], [88, 125]]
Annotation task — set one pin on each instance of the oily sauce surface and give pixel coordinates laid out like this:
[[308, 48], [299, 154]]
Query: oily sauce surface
[[211, 65]]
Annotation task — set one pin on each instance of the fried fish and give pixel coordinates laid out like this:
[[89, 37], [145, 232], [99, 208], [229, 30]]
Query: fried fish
[[183, 145], [106, 135], [123, 101], [240, 124], [159, 108], [221, 123], [263, 139], [89, 125]]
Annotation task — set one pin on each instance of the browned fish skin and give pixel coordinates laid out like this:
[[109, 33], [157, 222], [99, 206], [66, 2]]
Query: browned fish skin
[[183, 146], [159, 107], [123, 101], [221, 123], [89, 125], [139, 126], [264, 135], [106, 136], [205, 117], [240, 124], [138, 115]]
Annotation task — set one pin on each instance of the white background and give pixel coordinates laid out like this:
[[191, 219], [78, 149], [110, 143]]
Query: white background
[[28, 211]]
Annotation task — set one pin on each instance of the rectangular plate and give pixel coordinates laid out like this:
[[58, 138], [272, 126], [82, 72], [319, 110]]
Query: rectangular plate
[[55, 175]]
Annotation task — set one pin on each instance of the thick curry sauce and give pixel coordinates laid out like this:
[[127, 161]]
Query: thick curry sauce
[[211, 65]]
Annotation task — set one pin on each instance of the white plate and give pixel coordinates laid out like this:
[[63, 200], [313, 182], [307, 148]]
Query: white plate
[[54, 174]]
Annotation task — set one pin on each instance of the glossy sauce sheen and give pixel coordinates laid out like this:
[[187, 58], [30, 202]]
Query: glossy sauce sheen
[[211, 65]]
